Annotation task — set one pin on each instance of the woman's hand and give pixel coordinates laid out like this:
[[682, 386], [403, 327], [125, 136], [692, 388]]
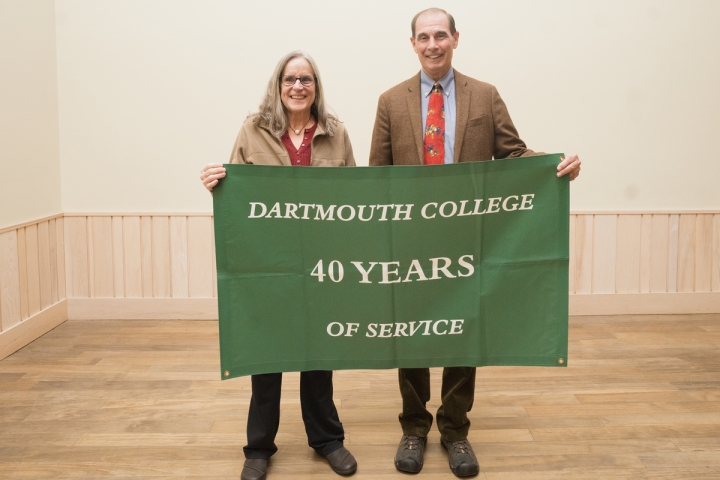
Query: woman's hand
[[211, 174]]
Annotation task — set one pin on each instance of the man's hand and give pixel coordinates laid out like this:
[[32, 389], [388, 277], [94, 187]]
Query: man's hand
[[570, 165], [211, 174]]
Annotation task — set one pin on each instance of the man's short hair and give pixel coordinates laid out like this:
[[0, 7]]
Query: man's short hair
[[451, 20]]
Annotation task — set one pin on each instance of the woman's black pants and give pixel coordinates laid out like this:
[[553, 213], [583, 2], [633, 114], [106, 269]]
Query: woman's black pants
[[324, 431]]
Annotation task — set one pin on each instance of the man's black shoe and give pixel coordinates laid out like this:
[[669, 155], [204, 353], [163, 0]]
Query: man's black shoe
[[409, 456], [461, 457]]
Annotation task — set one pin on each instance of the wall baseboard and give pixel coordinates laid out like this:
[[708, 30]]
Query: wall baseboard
[[645, 303], [32, 328], [142, 309]]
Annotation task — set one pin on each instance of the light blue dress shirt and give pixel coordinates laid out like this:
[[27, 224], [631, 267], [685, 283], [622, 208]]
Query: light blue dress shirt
[[448, 89]]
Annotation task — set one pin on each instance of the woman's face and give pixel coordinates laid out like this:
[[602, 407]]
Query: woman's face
[[297, 99]]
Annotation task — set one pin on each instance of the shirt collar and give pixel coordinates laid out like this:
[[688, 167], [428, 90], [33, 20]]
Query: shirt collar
[[447, 83]]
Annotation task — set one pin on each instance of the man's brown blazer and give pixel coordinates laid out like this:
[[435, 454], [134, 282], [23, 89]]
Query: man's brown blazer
[[483, 128]]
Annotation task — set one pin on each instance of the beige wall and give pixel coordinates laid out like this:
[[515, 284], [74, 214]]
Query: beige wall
[[150, 91], [29, 151]]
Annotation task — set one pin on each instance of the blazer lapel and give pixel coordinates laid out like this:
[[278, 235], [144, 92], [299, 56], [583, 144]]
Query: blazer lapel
[[412, 100], [462, 110]]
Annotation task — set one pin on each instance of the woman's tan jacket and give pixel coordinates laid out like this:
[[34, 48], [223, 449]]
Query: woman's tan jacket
[[255, 144]]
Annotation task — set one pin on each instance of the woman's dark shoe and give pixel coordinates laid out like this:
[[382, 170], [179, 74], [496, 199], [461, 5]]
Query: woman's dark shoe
[[341, 461], [254, 469]]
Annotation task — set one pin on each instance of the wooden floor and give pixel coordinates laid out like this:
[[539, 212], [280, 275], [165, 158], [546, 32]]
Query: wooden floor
[[142, 399]]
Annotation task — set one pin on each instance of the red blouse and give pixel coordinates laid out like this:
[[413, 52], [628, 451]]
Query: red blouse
[[300, 156]]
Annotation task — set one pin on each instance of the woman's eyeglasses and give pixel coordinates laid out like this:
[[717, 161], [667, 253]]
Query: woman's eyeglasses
[[305, 80]]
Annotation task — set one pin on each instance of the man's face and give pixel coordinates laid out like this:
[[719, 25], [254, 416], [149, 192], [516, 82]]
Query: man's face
[[434, 44]]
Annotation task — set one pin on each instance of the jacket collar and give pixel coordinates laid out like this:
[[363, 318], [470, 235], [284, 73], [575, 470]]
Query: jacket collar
[[276, 143], [462, 110], [414, 112], [262, 123]]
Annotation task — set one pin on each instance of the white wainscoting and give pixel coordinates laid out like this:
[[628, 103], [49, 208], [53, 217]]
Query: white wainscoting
[[145, 266]]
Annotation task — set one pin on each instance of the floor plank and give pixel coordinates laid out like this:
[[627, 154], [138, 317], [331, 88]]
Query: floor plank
[[640, 399]]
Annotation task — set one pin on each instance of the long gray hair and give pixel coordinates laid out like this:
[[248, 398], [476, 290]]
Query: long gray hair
[[272, 111]]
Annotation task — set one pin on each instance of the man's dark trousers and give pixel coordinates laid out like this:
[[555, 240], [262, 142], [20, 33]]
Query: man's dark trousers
[[458, 392]]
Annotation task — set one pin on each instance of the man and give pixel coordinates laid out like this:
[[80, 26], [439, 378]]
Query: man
[[442, 116]]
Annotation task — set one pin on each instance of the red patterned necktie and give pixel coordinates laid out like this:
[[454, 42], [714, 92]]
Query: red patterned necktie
[[434, 143]]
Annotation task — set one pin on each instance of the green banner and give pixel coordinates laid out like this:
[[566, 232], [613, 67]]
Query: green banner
[[386, 267]]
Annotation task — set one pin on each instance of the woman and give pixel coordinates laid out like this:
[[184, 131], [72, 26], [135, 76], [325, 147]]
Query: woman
[[292, 127]]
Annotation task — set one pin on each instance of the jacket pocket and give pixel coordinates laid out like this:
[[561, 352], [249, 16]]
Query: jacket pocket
[[327, 162], [481, 120]]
